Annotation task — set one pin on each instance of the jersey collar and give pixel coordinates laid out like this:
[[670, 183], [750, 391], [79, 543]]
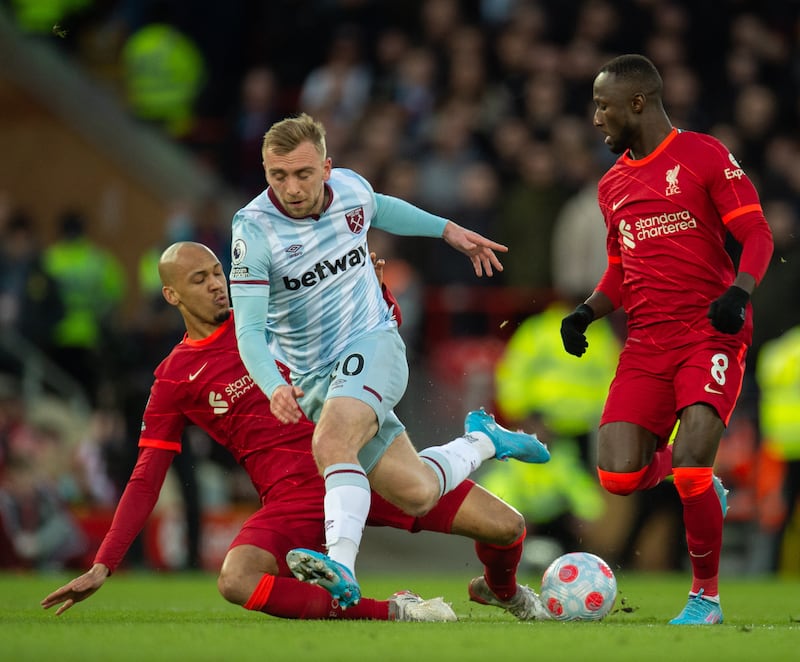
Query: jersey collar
[[210, 339], [627, 160]]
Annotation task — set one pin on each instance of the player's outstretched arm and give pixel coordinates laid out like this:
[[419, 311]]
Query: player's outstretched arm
[[479, 249], [77, 590]]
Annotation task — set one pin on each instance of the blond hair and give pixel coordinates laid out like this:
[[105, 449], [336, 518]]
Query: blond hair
[[288, 134]]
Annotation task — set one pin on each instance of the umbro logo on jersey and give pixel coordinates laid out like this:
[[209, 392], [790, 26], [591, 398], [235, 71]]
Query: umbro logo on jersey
[[321, 270], [193, 375], [295, 250]]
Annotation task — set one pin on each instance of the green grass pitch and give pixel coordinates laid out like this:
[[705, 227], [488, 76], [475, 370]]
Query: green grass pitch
[[148, 617]]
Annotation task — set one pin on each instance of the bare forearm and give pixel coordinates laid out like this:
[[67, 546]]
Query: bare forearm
[[600, 304]]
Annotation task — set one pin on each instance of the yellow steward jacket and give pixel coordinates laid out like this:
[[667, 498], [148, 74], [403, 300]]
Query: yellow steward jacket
[[536, 375], [778, 376]]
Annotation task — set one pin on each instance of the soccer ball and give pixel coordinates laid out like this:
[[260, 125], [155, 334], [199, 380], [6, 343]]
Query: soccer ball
[[578, 587]]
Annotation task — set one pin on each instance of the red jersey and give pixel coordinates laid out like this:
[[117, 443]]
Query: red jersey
[[205, 383], [667, 216]]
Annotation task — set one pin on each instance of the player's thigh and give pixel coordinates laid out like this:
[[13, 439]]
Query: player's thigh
[[712, 374], [345, 426], [375, 448], [640, 413], [698, 437], [374, 370], [244, 560], [282, 525], [403, 479]]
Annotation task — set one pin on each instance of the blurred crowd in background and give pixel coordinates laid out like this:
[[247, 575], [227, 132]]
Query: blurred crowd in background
[[477, 110]]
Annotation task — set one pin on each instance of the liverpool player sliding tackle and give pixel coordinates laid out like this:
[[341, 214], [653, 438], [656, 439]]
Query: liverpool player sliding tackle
[[203, 382]]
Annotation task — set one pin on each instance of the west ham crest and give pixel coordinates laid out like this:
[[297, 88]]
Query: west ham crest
[[355, 220]]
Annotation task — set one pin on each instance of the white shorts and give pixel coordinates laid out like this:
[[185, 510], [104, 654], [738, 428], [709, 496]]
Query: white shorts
[[373, 369]]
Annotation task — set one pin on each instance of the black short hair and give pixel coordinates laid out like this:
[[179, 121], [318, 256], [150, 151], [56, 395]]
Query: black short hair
[[636, 69]]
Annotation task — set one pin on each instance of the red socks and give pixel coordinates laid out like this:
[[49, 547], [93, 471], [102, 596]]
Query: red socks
[[286, 597], [500, 566], [702, 517]]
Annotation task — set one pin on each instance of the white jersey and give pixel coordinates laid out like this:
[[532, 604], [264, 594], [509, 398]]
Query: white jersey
[[316, 272]]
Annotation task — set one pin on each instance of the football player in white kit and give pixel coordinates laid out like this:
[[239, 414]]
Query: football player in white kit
[[305, 293]]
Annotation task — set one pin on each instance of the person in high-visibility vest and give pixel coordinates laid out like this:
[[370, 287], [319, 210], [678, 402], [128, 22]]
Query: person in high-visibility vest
[[164, 73], [778, 377], [535, 376], [92, 284], [40, 17]]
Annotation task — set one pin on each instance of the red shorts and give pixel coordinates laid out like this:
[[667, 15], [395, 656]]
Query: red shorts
[[653, 385], [290, 516], [293, 517]]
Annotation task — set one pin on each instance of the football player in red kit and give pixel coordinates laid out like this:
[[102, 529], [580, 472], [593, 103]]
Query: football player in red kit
[[204, 382], [668, 202]]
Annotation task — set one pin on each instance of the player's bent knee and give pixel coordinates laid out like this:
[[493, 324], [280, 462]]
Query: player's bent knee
[[510, 527], [483, 516], [232, 588], [242, 570], [416, 500], [418, 505]]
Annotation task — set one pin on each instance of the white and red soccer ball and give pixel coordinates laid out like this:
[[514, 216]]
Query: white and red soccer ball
[[578, 587]]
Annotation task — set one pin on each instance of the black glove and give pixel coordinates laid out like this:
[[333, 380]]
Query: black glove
[[573, 329], [727, 313]]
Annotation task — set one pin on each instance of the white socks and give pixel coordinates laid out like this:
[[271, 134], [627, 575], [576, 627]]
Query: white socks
[[347, 502], [455, 461]]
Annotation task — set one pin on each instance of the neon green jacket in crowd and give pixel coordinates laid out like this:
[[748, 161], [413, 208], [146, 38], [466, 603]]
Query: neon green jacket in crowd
[[536, 375], [164, 73], [778, 376], [92, 286], [44, 16]]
